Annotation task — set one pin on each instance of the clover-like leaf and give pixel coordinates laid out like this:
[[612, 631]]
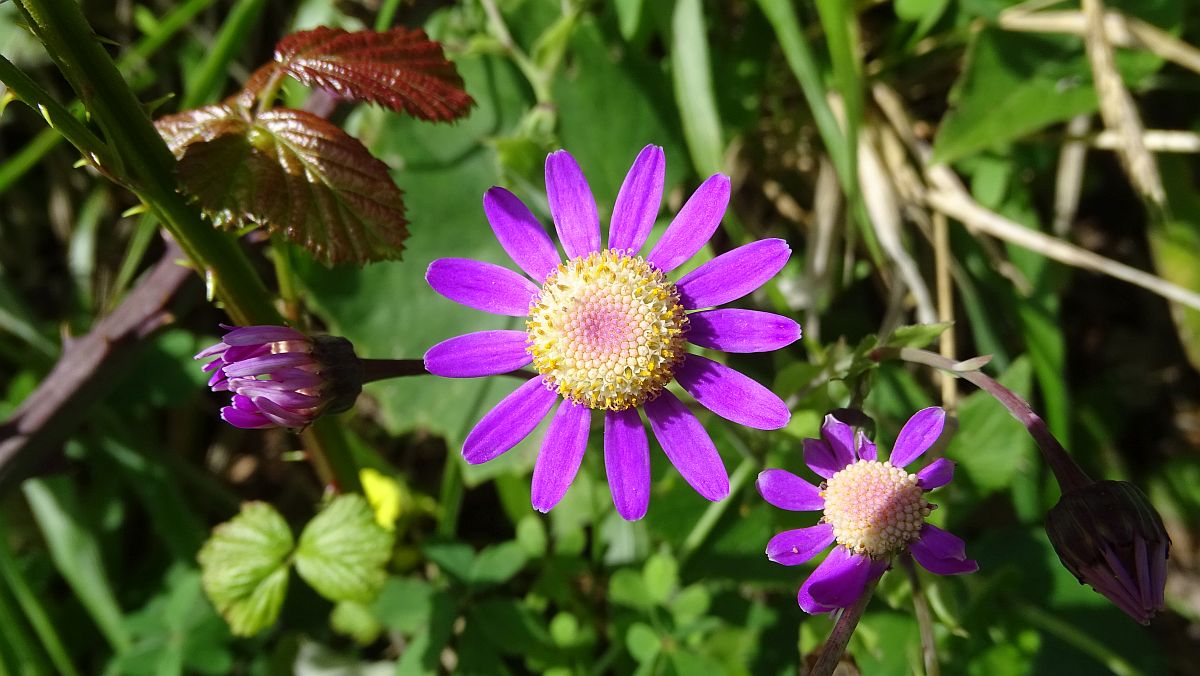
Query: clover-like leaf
[[401, 69], [294, 173], [343, 551], [244, 567]]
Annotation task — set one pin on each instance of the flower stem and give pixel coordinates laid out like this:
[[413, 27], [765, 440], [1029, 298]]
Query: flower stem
[[835, 645], [1066, 470], [924, 618], [382, 369]]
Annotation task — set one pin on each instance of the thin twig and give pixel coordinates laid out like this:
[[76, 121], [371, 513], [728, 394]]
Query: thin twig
[[1068, 180], [945, 304], [88, 368]]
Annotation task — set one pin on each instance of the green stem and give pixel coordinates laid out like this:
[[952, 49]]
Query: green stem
[[281, 257], [451, 496], [386, 15], [924, 617], [38, 618], [839, 638], [1069, 634], [713, 513]]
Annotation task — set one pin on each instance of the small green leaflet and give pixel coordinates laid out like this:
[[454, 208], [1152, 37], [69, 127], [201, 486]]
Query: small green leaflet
[[244, 567]]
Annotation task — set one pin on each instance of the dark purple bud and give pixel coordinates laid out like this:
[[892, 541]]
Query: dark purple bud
[[280, 377], [1110, 537]]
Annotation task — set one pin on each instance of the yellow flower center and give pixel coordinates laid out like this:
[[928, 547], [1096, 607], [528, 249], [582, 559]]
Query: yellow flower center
[[607, 330], [875, 509]]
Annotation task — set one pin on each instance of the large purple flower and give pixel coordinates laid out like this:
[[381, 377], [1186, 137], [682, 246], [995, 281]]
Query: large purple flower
[[608, 330], [873, 510]]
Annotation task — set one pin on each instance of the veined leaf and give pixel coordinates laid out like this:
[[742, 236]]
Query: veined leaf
[[343, 550], [244, 567], [294, 173], [401, 69]]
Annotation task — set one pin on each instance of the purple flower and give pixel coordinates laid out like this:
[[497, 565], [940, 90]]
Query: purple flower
[[872, 510], [608, 330], [1109, 536], [281, 377]]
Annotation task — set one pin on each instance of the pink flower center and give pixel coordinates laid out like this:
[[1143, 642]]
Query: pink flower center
[[875, 509], [606, 330]]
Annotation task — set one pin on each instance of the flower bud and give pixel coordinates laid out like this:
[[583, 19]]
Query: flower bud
[[281, 377], [1109, 536]]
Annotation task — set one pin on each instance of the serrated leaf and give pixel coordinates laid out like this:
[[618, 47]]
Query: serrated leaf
[[342, 551], [244, 567], [294, 173], [355, 620], [401, 69]]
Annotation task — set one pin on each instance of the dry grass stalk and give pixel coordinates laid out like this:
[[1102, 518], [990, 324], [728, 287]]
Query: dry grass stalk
[[1118, 110], [1068, 181]]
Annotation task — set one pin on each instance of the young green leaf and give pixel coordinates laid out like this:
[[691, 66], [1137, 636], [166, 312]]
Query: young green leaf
[[401, 69], [244, 567], [343, 551], [293, 172]]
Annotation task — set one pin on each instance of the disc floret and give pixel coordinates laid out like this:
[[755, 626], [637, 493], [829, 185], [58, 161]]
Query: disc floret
[[607, 330], [875, 509]]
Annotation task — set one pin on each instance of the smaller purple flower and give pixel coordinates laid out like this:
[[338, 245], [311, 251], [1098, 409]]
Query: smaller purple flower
[[280, 377], [872, 510]]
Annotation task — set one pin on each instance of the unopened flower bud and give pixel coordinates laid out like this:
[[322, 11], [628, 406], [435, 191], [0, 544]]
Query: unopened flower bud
[[1109, 536], [281, 377]]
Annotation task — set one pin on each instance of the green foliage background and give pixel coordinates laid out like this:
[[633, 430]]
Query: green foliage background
[[98, 557]]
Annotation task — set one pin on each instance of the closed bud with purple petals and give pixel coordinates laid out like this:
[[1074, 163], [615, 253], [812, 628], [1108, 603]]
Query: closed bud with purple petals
[[1110, 537], [280, 377]]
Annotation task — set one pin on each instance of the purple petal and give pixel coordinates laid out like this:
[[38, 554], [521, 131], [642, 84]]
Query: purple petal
[[627, 463], [794, 547], [562, 451], [486, 353], [244, 352], [733, 330], [785, 490], [482, 286], [243, 403], [840, 437], [837, 577], [688, 446], [693, 225], [245, 419], [284, 398], [937, 474], [733, 274], [509, 422], [919, 433], [211, 350], [571, 205], [639, 201], [280, 415], [820, 458], [520, 233], [257, 335], [267, 364], [213, 365], [840, 579], [866, 448], [941, 552], [731, 395]]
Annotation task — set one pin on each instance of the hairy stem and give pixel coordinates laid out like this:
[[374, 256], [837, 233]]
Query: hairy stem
[[839, 638], [924, 618], [1066, 470]]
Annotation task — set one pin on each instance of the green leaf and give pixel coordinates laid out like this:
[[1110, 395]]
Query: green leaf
[[692, 77], [917, 335], [343, 551], [294, 173], [75, 548], [531, 534], [627, 587], [244, 567], [512, 627], [1014, 84], [661, 575], [643, 643], [991, 446], [354, 619], [404, 604], [497, 564]]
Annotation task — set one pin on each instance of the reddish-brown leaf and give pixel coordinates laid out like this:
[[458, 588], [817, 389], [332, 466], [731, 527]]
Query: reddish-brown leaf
[[401, 69], [294, 173], [199, 124]]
